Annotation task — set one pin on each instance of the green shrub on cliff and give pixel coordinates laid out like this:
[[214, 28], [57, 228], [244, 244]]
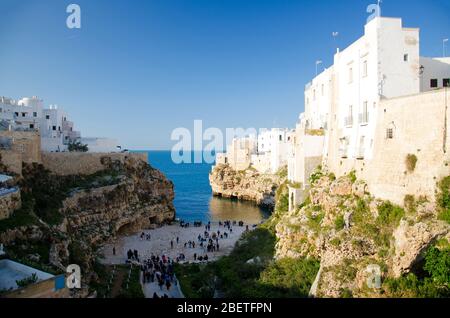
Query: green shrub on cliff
[[411, 162], [389, 214], [339, 223], [444, 199], [292, 277], [433, 283], [282, 172], [316, 175]]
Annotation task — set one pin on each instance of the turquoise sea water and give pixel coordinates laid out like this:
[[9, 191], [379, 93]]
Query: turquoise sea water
[[193, 196]]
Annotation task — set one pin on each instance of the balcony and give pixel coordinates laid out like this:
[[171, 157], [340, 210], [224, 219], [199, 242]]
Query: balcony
[[348, 121], [360, 153], [343, 152], [364, 119]]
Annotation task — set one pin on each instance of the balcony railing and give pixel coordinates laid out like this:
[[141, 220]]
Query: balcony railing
[[363, 118], [360, 153], [343, 152], [348, 121]]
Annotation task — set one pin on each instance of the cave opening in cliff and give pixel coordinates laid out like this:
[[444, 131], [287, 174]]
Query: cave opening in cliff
[[127, 229]]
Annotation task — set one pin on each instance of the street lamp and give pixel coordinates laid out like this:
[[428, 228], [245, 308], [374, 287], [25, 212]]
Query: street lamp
[[444, 42]]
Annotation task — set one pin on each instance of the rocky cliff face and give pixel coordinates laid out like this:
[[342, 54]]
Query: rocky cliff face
[[350, 232], [248, 185], [141, 198], [127, 196]]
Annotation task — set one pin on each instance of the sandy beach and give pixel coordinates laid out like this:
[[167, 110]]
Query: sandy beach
[[159, 243]]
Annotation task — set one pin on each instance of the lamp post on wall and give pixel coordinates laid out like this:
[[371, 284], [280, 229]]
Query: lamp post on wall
[[421, 71], [444, 43]]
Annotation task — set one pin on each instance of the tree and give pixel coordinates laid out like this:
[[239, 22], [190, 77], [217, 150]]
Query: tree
[[77, 147]]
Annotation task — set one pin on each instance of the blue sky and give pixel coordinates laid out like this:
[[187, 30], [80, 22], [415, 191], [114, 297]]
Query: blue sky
[[138, 69]]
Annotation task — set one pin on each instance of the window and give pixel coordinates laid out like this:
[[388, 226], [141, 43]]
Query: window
[[365, 69], [34, 114], [24, 114], [364, 116], [323, 89], [16, 114], [54, 127], [280, 138], [47, 116], [307, 101], [405, 57], [350, 75], [31, 126], [433, 83], [314, 94], [390, 133], [446, 82]]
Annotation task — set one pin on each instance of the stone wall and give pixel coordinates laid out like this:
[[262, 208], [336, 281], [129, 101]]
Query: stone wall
[[12, 161], [420, 127], [71, 163], [25, 146], [27, 143], [9, 203]]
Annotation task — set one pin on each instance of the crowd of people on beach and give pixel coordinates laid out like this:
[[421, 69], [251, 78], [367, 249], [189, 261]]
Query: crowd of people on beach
[[160, 270]]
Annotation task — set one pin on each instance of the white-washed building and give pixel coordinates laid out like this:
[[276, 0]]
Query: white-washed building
[[343, 103], [274, 146], [55, 129], [101, 145]]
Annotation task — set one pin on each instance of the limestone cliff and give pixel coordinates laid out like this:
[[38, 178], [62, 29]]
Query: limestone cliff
[[349, 231], [65, 218], [248, 185]]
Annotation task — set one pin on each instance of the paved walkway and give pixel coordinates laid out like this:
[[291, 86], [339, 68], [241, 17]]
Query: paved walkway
[[151, 288]]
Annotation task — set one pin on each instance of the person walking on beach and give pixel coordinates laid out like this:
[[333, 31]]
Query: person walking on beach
[[171, 244], [178, 239], [114, 250]]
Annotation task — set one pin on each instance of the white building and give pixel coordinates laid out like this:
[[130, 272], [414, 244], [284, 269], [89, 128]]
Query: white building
[[344, 100], [56, 131], [435, 73], [101, 145], [267, 153], [274, 145]]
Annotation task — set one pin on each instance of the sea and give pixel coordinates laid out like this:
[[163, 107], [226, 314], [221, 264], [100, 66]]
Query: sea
[[193, 195]]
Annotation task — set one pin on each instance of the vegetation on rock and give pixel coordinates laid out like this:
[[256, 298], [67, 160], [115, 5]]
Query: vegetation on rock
[[410, 162]]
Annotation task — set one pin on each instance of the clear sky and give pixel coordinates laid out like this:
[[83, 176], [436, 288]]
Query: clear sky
[[136, 70]]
